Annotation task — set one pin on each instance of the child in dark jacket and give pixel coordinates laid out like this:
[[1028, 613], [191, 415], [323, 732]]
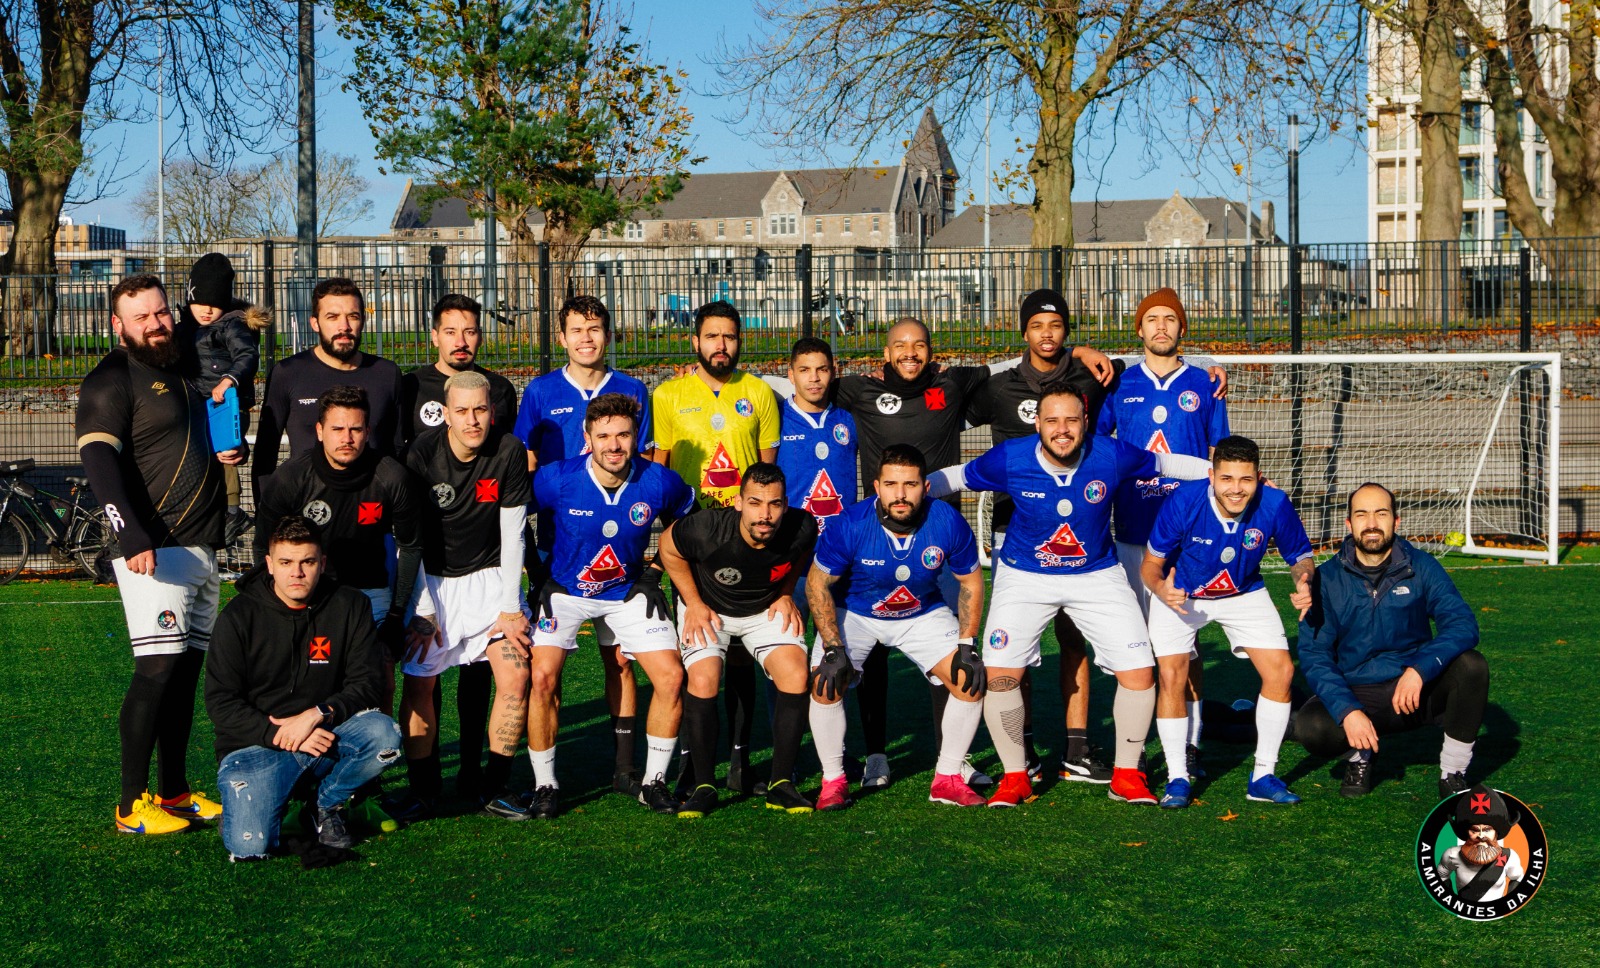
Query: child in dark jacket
[[227, 345]]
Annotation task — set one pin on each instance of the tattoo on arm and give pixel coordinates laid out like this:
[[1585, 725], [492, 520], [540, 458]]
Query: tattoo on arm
[[819, 595]]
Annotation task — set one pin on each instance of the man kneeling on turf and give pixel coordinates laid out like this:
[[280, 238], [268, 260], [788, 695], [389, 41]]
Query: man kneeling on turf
[[292, 686], [735, 570], [890, 552], [1204, 562]]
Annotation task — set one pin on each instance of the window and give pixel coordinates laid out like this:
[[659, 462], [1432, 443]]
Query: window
[[1390, 136], [783, 225], [1503, 228], [817, 230], [875, 224], [1471, 124], [1391, 187], [1469, 226], [846, 230], [634, 232], [1389, 228], [1541, 187], [1471, 178], [749, 228], [721, 229]]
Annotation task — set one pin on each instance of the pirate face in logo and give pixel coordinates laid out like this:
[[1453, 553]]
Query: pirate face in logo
[[888, 404], [431, 414], [1028, 411], [1481, 854]]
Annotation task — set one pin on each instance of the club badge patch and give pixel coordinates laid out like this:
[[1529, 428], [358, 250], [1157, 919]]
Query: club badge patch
[[1094, 492], [1252, 539], [743, 407], [318, 511], [841, 433], [1028, 411], [888, 404], [444, 495], [639, 514], [168, 620], [432, 413], [1189, 401], [998, 639], [1482, 854], [932, 557]]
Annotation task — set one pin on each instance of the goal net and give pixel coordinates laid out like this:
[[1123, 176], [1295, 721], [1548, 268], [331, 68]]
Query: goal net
[[1469, 443]]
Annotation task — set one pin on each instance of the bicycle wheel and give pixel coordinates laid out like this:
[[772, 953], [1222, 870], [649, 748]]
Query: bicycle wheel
[[16, 541], [91, 543]]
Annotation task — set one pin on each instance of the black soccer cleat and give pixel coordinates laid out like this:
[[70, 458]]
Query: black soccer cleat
[[409, 809], [658, 797], [1087, 768], [700, 803], [546, 803], [626, 783], [783, 796], [738, 772], [333, 829], [1453, 784], [1191, 760], [1357, 780], [509, 806]]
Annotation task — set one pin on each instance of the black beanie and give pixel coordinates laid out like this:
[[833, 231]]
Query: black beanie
[[211, 281], [1044, 301]]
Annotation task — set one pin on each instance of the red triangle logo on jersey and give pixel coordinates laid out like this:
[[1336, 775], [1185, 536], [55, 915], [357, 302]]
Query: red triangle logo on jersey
[[370, 512], [1157, 444], [602, 569], [1063, 544], [897, 601], [722, 471], [1219, 587], [824, 500]]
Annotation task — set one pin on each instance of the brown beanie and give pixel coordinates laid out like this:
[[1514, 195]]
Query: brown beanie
[[1162, 297]]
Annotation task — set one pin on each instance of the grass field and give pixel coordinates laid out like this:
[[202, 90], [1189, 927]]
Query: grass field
[[1071, 878]]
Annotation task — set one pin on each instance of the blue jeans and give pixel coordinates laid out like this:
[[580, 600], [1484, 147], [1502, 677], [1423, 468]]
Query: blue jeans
[[255, 782]]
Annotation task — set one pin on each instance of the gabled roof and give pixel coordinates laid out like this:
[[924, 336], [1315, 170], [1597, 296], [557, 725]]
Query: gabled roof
[[1102, 222]]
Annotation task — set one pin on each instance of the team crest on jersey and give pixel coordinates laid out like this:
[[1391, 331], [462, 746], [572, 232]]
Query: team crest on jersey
[[369, 512], [841, 434], [1219, 587], [778, 572], [548, 624], [824, 500], [897, 602], [321, 650], [742, 407], [1189, 401], [1157, 444], [998, 639], [933, 398], [722, 471], [1062, 548], [932, 557], [1252, 539], [1028, 411], [432, 413], [639, 514], [728, 576], [318, 511], [488, 490], [602, 571], [1094, 492], [168, 620], [444, 495], [888, 404]]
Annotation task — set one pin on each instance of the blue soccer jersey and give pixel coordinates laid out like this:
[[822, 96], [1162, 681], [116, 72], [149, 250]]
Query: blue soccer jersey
[[1135, 504], [550, 418], [600, 538], [818, 457], [1217, 556], [885, 575], [1062, 521], [1177, 415]]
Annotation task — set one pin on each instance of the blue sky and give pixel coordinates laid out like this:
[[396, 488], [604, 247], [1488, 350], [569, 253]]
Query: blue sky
[[1333, 178]]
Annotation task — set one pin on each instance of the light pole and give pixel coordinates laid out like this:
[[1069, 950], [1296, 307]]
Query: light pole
[[1295, 319], [306, 173], [161, 150]]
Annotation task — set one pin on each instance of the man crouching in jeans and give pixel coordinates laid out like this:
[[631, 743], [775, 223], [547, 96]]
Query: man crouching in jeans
[[293, 685]]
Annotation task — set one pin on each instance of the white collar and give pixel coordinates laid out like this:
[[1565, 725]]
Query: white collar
[[1063, 475], [816, 420], [610, 499], [587, 394], [1159, 383], [1229, 525]]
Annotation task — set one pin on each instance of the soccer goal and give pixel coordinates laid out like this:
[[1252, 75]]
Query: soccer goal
[[1469, 443]]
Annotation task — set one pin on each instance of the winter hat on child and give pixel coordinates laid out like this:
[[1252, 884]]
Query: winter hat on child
[[211, 281]]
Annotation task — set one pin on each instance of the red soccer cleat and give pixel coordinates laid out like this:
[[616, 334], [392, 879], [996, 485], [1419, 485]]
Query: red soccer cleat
[[1014, 788], [833, 795], [950, 788], [1130, 786]]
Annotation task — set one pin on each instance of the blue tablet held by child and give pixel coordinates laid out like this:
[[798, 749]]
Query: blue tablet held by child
[[224, 420]]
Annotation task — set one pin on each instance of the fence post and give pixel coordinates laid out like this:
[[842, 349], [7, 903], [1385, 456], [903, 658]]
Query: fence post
[[1246, 297], [544, 307], [1447, 279], [1296, 316], [269, 302], [1058, 268], [1525, 298], [802, 271]]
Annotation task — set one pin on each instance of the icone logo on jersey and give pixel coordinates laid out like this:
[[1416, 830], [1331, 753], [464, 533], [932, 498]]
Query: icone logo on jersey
[[742, 407], [602, 571], [560, 410], [932, 557], [1157, 444], [722, 471], [841, 434], [488, 490], [369, 512], [1219, 587], [1253, 539], [998, 639], [897, 602], [639, 514], [548, 624], [432, 413], [824, 500], [1189, 400], [1060, 548], [1094, 492]]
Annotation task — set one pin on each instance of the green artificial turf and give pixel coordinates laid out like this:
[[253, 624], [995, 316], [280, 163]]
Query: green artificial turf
[[1070, 878]]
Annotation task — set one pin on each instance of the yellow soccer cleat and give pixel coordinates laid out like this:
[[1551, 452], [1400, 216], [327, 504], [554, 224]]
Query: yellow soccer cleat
[[148, 818], [191, 806]]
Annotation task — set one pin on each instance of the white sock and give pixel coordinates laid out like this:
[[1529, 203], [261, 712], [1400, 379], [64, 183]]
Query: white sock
[[657, 756], [1174, 733], [1454, 757], [1272, 721], [1004, 713], [827, 732], [544, 767], [960, 724], [1131, 712], [1193, 739]]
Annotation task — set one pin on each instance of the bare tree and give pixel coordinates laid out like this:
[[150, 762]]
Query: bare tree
[[851, 71], [341, 196], [203, 204]]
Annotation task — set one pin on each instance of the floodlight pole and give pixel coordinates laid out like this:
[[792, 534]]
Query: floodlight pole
[[306, 172]]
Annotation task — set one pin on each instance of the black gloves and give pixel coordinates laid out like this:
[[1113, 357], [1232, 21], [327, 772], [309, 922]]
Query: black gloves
[[968, 660], [833, 675], [648, 586]]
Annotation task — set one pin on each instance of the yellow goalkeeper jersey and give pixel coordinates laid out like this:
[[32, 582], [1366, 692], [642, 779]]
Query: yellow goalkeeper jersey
[[713, 436]]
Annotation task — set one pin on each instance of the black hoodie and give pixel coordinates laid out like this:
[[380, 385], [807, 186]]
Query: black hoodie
[[267, 659]]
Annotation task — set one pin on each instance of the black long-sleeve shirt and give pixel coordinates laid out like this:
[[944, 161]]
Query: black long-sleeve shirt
[[289, 406]]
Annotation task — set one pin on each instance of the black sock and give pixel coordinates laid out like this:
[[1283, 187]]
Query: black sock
[[1077, 743], [940, 697], [790, 712], [1027, 715], [138, 721], [622, 733], [739, 696], [472, 709], [872, 700], [370, 790], [496, 774], [423, 773], [700, 731], [174, 723]]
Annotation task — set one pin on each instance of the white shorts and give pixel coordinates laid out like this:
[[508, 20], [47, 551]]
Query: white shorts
[[1100, 603], [465, 610], [925, 639], [174, 609], [758, 634], [625, 625], [1132, 558], [1250, 620]]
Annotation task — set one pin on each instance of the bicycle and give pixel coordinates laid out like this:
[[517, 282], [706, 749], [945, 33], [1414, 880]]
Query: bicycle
[[74, 530]]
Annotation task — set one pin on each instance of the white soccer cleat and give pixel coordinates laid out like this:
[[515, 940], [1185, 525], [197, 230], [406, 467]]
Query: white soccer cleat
[[973, 776], [876, 772]]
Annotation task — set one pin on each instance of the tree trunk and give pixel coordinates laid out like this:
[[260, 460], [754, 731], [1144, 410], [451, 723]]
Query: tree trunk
[[1051, 168], [28, 268], [1439, 128]]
